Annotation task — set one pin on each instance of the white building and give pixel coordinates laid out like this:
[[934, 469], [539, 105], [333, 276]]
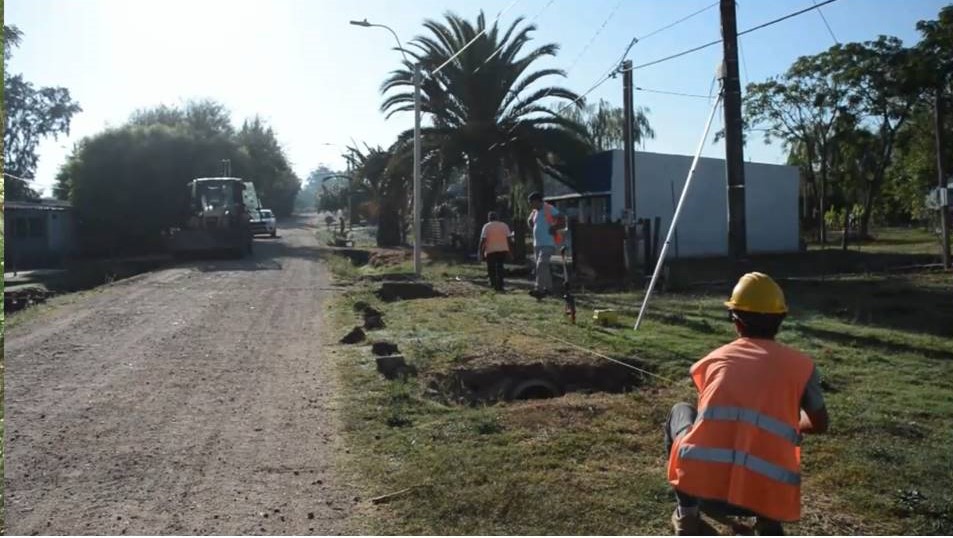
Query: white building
[[771, 200]]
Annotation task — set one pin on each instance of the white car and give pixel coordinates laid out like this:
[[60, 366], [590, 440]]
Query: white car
[[265, 223]]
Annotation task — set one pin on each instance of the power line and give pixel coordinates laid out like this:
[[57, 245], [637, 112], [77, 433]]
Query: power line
[[615, 67], [594, 36], [679, 21], [744, 62], [823, 18], [748, 31], [579, 57], [680, 94], [18, 178], [498, 49], [788, 16], [472, 41]]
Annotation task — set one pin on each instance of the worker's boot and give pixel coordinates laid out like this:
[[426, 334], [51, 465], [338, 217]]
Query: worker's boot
[[768, 527], [691, 525]]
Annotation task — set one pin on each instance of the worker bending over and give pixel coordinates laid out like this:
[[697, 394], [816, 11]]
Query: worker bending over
[[738, 452]]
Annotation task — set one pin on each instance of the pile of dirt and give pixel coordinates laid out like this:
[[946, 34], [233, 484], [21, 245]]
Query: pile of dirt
[[358, 257], [373, 318], [23, 298], [388, 258], [356, 336], [406, 291]]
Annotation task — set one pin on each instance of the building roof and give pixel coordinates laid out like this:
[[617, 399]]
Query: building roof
[[45, 204]]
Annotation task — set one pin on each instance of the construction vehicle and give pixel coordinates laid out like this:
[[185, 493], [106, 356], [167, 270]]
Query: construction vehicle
[[218, 219]]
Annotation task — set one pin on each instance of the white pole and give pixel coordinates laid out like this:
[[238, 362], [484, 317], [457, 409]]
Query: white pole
[[417, 169], [678, 211]]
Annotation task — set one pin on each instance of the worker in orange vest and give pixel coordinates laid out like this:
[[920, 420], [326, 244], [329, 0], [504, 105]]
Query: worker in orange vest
[[738, 453], [494, 248]]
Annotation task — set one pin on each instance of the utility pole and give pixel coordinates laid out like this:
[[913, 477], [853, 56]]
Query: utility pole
[[734, 145], [941, 178], [417, 238], [350, 203], [628, 169]]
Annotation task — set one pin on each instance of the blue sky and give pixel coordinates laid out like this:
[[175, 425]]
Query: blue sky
[[315, 78]]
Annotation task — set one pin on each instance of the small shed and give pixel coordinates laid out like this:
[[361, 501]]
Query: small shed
[[38, 234]]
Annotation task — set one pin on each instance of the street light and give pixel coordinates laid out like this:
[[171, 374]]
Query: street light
[[417, 82]]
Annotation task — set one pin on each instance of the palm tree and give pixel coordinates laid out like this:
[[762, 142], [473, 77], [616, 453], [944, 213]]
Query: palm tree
[[377, 171], [488, 115]]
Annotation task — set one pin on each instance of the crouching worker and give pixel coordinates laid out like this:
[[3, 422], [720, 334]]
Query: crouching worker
[[738, 453]]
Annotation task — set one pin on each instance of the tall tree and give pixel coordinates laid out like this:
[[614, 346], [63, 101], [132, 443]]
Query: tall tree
[[128, 183], [385, 179], [30, 115], [805, 108], [266, 164], [308, 197], [605, 124], [488, 114], [884, 83]]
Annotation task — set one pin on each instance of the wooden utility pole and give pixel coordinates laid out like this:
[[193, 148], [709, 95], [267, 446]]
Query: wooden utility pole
[[734, 145], [628, 168], [941, 177]]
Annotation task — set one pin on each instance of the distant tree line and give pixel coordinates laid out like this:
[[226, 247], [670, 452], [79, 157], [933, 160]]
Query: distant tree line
[[127, 183], [858, 119]]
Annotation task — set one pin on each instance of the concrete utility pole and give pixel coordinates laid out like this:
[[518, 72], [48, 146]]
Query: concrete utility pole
[[734, 145], [941, 177], [628, 168]]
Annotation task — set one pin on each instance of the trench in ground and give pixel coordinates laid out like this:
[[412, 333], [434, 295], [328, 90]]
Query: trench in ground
[[529, 381]]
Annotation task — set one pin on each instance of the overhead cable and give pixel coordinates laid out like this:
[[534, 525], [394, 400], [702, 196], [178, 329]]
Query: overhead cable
[[748, 31], [472, 41]]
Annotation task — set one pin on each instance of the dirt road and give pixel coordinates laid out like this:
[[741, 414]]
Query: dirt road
[[194, 399]]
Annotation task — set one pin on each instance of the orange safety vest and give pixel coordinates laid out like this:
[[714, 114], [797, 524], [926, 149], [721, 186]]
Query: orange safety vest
[[497, 236], [744, 446], [551, 220]]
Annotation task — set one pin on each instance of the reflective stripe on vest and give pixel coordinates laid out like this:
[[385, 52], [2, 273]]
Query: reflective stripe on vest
[[766, 423], [737, 457]]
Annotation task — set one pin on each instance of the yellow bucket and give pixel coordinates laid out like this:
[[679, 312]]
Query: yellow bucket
[[606, 316]]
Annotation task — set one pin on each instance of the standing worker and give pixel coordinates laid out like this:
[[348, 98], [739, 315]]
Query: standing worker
[[545, 221], [494, 248], [738, 453]]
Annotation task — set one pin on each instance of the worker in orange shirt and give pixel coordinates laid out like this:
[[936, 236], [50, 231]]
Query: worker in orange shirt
[[494, 248], [738, 453]]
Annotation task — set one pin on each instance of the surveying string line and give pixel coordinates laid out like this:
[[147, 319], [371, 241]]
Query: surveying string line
[[748, 31], [602, 356]]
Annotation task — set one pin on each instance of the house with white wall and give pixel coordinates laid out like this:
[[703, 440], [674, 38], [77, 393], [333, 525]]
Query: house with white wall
[[771, 200]]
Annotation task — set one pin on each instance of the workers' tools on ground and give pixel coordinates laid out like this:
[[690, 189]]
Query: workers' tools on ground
[[568, 297], [606, 317]]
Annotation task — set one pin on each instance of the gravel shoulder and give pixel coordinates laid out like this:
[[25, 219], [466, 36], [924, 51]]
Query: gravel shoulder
[[197, 399]]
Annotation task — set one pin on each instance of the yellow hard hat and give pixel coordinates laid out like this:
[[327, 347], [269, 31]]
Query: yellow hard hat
[[758, 293]]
